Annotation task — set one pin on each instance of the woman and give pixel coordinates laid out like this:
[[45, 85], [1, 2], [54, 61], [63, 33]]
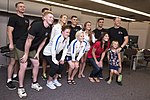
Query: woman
[[96, 55], [90, 39], [75, 52]]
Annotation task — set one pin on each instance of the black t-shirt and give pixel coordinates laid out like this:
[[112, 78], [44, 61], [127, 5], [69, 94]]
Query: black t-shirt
[[20, 25], [118, 34], [39, 32], [36, 20], [98, 32], [73, 32]]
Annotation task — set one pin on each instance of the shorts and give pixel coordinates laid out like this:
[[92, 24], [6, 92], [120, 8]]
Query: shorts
[[114, 67], [68, 58], [13, 53], [21, 53]]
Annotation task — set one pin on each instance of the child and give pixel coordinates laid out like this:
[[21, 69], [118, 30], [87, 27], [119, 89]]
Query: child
[[114, 59]]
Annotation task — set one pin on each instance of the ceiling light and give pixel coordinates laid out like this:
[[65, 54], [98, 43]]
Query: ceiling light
[[121, 7], [82, 9]]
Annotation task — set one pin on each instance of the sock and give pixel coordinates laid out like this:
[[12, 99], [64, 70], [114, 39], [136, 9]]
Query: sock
[[35, 82], [9, 80], [14, 75]]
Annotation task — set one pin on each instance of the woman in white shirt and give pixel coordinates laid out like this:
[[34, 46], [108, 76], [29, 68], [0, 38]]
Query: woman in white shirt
[[75, 51], [55, 53], [90, 39]]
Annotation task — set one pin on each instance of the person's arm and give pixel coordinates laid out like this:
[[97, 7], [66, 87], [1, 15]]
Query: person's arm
[[102, 57], [10, 37], [65, 50], [73, 50], [40, 48], [81, 53], [124, 43], [27, 47], [94, 56], [119, 57]]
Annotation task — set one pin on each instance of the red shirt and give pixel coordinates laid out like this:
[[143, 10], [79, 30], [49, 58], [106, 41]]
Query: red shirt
[[99, 49]]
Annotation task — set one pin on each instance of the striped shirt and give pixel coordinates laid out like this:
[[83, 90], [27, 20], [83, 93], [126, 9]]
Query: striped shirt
[[76, 49], [54, 47]]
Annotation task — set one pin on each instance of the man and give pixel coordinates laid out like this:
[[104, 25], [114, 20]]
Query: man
[[43, 61], [121, 35], [16, 27], [31, 45], [99, 30], [74, 27]]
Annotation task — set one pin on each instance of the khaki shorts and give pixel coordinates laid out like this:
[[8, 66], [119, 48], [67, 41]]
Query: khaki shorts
[[21, 53], [13, 53]]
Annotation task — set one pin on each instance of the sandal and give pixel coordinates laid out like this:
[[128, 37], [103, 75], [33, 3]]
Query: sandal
[[96, 79], [73, 82], [69, 82], [91, 79]]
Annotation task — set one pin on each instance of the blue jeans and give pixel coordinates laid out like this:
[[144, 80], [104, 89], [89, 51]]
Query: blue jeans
[[97, 71]]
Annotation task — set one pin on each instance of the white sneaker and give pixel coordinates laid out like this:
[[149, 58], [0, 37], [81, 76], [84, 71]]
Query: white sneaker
[[22, 93], [109, 81], [51, 85], [55, 82], [36, 86]]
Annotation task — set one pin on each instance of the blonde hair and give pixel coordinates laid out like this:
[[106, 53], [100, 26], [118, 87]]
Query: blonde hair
[[47, 12], [78, 33]]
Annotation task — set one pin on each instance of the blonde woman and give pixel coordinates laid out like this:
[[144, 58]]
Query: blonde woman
[[75, 52]]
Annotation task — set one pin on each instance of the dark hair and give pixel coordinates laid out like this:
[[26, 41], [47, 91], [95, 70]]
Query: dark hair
[[74, 16], [18, 3], [66, 27], [100, 19], [101, 38], [44, 9]]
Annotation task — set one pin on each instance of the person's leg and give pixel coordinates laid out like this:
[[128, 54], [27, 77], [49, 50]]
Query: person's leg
[[75, 70], [15, 74], [9, 83], [44, 66], [71, 68], [110, 77]]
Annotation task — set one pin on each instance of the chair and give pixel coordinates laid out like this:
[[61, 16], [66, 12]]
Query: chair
[[146, 53], [131, 55]]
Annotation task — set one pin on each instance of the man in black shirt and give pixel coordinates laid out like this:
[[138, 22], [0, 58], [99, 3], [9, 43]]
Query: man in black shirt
[[99, 30], [42, 59], [121, 35], [74, 27], [16, 27], [29, 46]]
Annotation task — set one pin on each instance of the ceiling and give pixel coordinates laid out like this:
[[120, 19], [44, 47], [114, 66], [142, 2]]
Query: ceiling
[[141, 5]]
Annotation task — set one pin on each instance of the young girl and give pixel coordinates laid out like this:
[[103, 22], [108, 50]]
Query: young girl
[[96, 55], [114, 59], [75, 52], [90, 39]]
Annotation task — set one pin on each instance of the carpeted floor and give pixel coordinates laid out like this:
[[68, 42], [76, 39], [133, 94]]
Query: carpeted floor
[[136, 86]]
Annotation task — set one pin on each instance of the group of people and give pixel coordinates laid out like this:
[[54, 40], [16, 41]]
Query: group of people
[[61, 45]]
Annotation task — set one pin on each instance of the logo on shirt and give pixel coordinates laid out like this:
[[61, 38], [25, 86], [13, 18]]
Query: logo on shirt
[[46, 34], [26, 21], [120, 32]]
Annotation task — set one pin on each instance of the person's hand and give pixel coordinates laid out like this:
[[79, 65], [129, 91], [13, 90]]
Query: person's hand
[[11, 47], [61, 62], [36, 56], [97, 63], [24, 58], [100, 63], [119, 49]]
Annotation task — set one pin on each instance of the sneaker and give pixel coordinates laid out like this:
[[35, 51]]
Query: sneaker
[[119, 83], [22, 93], [101, 78], [119, 78], [109, 81], [10, 85], [36, 86], [44, 77], [59, 77], [51, 85], [55, 82], [15, 79]]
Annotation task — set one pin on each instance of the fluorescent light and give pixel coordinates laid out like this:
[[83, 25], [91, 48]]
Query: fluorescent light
[[121, 7], [82, 9]]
